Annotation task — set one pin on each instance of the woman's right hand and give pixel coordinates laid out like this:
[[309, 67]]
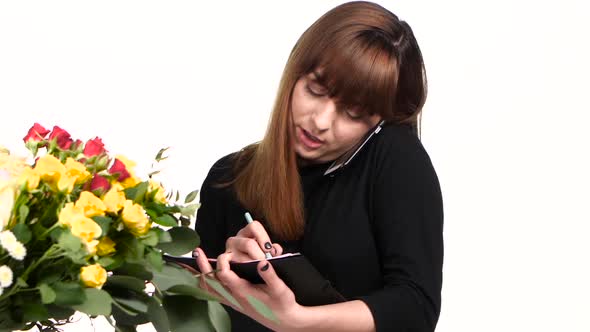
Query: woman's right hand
[[250, 243]]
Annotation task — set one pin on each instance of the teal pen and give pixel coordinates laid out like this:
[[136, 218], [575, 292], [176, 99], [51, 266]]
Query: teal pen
[[250, 220]]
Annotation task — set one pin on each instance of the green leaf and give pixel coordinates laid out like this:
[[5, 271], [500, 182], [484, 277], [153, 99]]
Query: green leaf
[[68, 293], [47, 294], [160, 153], [22, 233], [187, 314], [171, 276], [150, 239], [219, 317], [97, 303], [33, 312], [262, 308], [104, 223], [189, 210], [69, 242], [158, 315], [193, 291], [135, 270], [111, 262], [137, 193], [164, 237], [23, 213], [59, 312], [166, 220], [221, 291], [184, 240], [155, 259], [191, 196], [126, 282], [132, 303]]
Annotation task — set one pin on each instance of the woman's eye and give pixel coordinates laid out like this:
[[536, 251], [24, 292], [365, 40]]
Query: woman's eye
[[316, 92], [354, 113]]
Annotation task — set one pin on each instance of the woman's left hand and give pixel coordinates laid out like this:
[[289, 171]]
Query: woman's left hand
[[273, 293]]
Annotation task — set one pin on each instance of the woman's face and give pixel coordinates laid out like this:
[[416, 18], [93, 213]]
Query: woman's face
[[322, 132]]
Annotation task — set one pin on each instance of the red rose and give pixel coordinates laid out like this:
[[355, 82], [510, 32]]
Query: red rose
[[64, 140], [36, 133], [99, 183], [94, 147], [76, 144], [119, 168]]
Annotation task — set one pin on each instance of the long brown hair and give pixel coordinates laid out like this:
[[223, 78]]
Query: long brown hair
[[366, 56]]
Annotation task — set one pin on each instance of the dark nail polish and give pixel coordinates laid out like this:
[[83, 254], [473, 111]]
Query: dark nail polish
[[268, 246], [264, 268]]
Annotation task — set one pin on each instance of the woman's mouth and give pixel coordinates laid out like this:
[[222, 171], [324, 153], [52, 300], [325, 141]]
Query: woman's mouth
[[308, 140]]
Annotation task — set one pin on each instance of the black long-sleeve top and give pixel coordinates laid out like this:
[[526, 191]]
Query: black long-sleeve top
[[374, 229]]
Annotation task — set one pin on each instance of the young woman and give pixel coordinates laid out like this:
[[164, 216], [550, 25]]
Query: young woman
[[351, 94]]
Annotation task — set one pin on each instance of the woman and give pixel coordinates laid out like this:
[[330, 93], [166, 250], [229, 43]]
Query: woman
[[352, 90]]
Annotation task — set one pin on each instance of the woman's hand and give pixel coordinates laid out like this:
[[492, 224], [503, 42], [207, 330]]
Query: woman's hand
[[273, 293], [251, 242]]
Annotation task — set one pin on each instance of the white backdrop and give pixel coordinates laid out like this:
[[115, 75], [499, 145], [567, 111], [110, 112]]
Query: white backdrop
[[505, 122]]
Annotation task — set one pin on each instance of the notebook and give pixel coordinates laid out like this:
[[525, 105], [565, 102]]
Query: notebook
[[306, 282]]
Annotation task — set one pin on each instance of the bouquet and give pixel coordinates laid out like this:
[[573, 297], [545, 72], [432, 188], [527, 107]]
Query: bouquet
[[80, 231]]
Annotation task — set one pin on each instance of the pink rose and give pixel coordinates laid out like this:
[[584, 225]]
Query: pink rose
[[119, 168], [36, 133], [99, 183], [94, 147], [64, 140]]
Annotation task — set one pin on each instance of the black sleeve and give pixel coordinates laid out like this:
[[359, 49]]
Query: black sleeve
[[211, 216], [408, 227]]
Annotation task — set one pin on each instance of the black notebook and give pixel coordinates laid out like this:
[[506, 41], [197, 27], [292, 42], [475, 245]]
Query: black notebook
[[306, 282]]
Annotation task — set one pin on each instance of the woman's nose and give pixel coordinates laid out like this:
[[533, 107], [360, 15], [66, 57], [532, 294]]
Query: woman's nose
[[324, 115]]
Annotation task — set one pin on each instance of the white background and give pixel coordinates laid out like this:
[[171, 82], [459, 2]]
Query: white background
[[505, 121]]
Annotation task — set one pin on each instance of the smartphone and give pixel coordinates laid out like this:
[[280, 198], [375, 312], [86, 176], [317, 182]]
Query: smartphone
[[344, 159]]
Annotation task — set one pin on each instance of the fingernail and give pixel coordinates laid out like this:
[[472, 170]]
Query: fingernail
[[268, 246], [195, 254], [264, 268]]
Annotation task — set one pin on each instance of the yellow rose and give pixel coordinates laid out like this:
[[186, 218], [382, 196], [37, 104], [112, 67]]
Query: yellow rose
[[91, 246], [50, 169], [66, 183], [106, 246], [77, 170], [93, 276], [135, 218], [114, 199], [30, 177], [68, 213], [84, 228], [7, 194], [160, 194], [90, 204]]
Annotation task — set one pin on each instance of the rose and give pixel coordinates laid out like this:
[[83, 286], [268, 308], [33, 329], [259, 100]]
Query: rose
[[114, 199], [94, 147], [120, 169], [135, 218], [93, 275], [90, 204], [105, 246], [99, 184], [7, 195], [36, 133], [62, 137]]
